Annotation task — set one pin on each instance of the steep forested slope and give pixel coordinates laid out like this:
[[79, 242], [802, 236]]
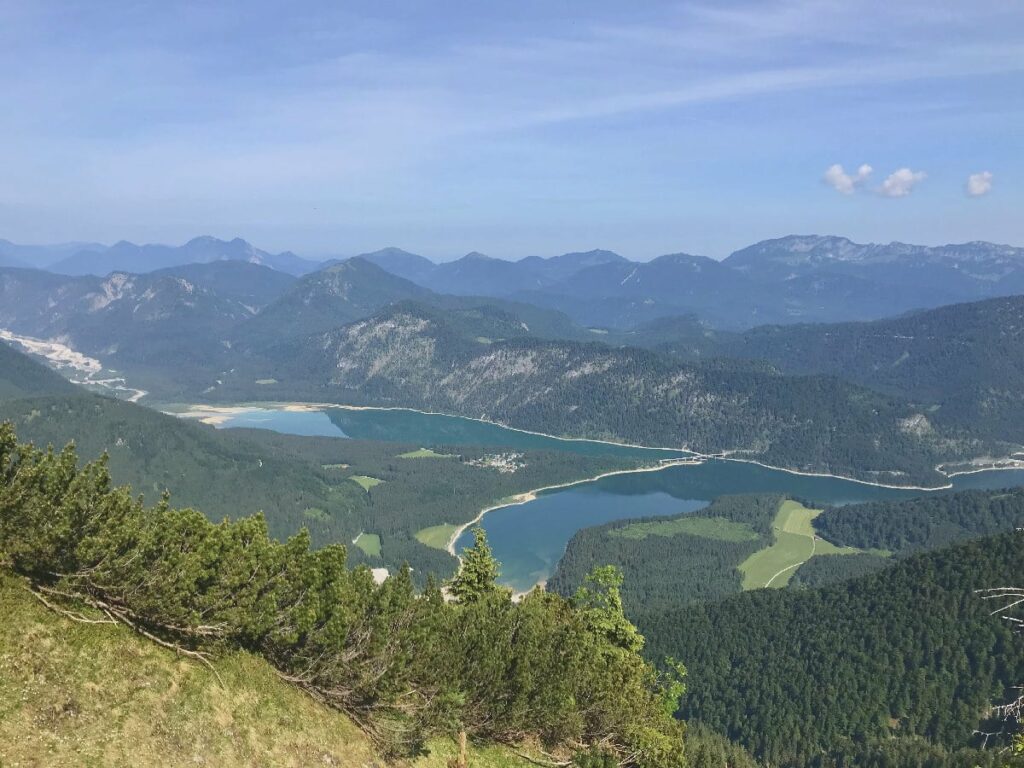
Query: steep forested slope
[[968, 359], [849, 673], [21, 376], [929, 522]]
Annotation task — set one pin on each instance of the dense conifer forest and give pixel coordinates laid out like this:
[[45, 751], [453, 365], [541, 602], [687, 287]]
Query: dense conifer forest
[[907, 661]]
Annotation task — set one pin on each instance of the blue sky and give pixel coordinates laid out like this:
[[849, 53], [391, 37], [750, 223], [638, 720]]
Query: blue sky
[[512, 128]]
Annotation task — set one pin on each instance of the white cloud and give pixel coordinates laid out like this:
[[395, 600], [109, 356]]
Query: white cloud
[[979, 184], [843, 182], [900, 183]]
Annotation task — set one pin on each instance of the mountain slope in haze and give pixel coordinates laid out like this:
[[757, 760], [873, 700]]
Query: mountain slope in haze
[[419, 359], [479, 275], [173, 330], [41, 256], [411, 266], [357, 288], [626, 294], [966, 359], [881, 279], [329, 298], [255, 285], [556, 268], [798, 278], [959, 269], [129, 257], [793, 279], [7, 260], [127, 318]]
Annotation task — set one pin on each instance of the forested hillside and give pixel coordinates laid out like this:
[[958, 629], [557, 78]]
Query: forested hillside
[[925, 523], [21, 376], [857, 673], [411, 358], [967, 359]]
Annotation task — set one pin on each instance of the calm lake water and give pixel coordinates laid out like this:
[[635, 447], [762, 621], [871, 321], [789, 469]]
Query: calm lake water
[[529, 538], [422, 429]]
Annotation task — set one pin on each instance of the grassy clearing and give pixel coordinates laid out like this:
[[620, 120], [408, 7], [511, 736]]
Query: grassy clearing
[[717, 528], [423, 453], [365, 481], [92, 694], [316, 513], [436, 536], [795, 542], [369, 543]]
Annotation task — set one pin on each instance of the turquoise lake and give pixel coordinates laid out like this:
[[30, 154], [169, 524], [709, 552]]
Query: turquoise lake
[[423, 429], [529, 538]]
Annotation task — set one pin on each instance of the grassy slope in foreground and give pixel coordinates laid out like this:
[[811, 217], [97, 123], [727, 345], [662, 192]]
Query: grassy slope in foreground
[[93, 694]]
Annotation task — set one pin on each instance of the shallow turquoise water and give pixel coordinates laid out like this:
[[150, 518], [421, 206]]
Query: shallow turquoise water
[[304, 423], [424, 429]]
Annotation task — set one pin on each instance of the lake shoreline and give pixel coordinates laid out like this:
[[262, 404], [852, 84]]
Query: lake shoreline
[[194, 411], [228, 411], [531, 495], [691, 454]]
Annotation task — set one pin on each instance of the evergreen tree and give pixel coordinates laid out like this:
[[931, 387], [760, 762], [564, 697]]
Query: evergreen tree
[[600, 600], [478, 573]]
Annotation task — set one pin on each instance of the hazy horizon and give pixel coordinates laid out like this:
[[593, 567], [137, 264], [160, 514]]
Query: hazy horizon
[[694, 126], [454, 257]]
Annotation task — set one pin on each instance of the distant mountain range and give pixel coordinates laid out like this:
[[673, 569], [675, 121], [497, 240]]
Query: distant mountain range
[[791, 279], [41, 256], [127, 256], [482, 275], [794, 279], [101, 260]]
